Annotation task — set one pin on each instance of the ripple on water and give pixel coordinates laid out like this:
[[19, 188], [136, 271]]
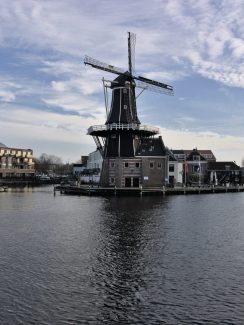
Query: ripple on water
[[150, 260]]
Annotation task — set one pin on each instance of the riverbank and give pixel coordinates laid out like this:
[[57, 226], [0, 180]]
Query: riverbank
[[27, 182], [109, 191]]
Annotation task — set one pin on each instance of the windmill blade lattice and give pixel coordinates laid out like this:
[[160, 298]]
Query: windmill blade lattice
[[154, 86], [131, 52], [102, 66]]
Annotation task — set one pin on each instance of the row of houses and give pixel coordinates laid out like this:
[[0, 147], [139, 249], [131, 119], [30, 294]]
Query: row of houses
[[16, 162], [153, 165], [175, 168]]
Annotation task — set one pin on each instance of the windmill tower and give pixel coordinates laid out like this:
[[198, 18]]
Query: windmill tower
[[123, 141]]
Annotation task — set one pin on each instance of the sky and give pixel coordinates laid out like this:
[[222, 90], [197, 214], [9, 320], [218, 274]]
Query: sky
[[49, 98]]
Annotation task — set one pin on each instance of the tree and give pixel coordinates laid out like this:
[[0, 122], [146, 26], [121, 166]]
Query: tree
[[47, 164]]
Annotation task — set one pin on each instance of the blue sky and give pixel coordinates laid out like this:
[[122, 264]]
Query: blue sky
[[48, 97]]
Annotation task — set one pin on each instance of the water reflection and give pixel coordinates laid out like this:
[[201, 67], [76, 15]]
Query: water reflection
[[125, 233]]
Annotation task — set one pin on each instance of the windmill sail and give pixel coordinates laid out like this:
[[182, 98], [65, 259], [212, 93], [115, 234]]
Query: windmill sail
[[102, 66], [132, 78], [131, 52]]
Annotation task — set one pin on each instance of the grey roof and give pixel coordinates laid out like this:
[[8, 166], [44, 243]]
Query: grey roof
[[2, 145], [194, 152], [151, 147], [177, 152], [170, 155], [223, 165]]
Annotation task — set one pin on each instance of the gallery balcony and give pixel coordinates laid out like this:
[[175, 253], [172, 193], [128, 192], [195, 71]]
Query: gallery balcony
[[103, 130]]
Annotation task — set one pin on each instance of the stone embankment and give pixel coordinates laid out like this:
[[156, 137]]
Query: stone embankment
[[109, 191]]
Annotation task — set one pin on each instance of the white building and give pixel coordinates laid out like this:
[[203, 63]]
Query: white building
[[95, 160], [175, 172], [92, 172]]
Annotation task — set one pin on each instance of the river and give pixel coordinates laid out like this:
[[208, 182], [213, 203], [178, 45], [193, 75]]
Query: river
[[129, 260]]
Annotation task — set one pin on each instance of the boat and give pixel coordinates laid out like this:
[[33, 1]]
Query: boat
[[3, 188]]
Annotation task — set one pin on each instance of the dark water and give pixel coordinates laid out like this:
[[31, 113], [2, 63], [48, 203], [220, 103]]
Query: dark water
[[151, 260]]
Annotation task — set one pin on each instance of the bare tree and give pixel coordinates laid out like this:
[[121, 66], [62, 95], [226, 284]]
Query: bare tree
[[49, 163]]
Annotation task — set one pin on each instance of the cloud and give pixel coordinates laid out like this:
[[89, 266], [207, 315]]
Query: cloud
[[8, 89], [215, 44], [203, 37], [45, 85], [7, 96]]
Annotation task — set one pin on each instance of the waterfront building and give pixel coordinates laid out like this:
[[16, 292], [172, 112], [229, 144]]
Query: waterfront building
[[224, 173], [78, 168], [175, 170], [91, 170], [195, 168], [195, 164], [16, 162], [183, 154], [242, 175], [95, 160], [200, 167]]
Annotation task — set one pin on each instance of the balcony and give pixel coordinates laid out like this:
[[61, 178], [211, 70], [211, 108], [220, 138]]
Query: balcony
[[120, 126]]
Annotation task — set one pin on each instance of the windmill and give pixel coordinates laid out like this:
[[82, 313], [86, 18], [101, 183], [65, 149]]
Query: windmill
[[122, 133]]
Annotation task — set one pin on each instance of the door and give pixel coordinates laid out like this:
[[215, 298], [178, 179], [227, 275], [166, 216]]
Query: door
[[127, 182], [135, 181]]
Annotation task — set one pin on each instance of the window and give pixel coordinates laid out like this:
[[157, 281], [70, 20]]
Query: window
[[125, 106], [159, 165], [171, 167], [125, 91], [207, 156], [112, 164], [196, 168], [126, 164], [112, 180], [137, 165], [196, 158], [113, 136], [151, 164]]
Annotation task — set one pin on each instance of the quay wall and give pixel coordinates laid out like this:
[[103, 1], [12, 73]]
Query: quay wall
[[110, 191]]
